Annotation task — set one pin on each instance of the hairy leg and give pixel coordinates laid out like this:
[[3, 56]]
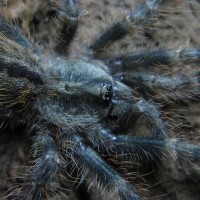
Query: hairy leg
[[135, 109], [137, 16], [12, 32], [67, 19], [148, 58], [92, 166], [40, 179], [143, 149], [176, 87]]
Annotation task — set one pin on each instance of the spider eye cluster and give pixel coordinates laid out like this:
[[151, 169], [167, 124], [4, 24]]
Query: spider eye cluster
[[106, 92]]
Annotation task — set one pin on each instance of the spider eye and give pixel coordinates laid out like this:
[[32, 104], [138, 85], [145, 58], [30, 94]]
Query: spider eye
[[106, 91]]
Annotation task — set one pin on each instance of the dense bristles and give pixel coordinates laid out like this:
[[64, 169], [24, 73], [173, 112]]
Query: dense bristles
[[153, 115], [13, 33], [96, 170], [182, 87], [82, 113], [132, 61], [41, 178], [144, 150], [121, 28], [68, 21], [20, 62]]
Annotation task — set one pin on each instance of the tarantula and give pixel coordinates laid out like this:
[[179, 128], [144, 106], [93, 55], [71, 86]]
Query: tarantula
[[79, 111]]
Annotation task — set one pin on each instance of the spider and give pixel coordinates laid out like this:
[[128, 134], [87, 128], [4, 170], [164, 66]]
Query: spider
[[79, 112]]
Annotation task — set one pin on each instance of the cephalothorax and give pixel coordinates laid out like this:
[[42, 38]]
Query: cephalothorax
[[80, 110]]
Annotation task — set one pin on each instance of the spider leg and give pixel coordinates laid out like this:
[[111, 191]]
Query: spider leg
[[143, 149], [152, 114], [41, 177], [149, 58], [137, 16], [134, 110], [68, 17], [14, 45], [12, 32], [95, 168], [177, 87]]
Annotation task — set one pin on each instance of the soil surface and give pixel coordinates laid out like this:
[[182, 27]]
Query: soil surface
[[177, 27]]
